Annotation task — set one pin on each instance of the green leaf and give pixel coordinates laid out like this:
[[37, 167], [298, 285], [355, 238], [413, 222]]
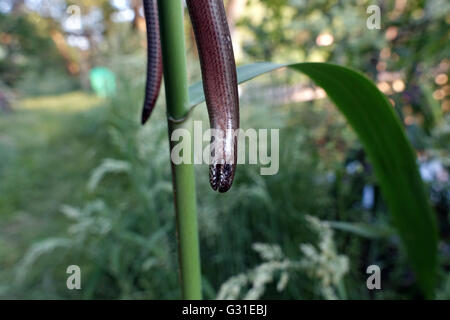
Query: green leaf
[[362, 229], [372, 117]]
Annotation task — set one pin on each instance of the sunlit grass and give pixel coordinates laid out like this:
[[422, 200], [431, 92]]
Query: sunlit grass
[[48, 145], [73, 101]]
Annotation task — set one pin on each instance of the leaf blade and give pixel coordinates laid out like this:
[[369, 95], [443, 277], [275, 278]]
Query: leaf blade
[[362, 229]]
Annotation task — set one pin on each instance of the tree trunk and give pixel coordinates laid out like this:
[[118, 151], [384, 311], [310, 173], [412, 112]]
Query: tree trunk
[[63, 48], [234, 8], [138, 21]]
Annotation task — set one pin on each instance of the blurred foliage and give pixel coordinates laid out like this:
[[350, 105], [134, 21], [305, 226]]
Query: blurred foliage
[[28, 53], [81, 182]]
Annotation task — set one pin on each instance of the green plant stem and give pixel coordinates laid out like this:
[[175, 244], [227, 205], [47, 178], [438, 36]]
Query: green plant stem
[[177, 99]]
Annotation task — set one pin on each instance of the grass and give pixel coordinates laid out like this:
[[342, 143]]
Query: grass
[[48, 156], [44, 164], [122, 232], [41, 152]]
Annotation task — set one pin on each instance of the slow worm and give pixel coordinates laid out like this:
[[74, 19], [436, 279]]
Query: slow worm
[[218, 67]]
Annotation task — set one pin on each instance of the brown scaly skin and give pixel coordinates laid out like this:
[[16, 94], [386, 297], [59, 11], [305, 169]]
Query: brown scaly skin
[[219, 84], [219, 81], [154, 58]]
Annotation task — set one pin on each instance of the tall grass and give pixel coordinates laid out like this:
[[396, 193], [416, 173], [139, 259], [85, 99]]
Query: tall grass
[[93, 188]]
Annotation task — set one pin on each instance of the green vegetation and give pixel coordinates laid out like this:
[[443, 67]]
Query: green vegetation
[[126, 244], [370, 115], [82, 182]]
